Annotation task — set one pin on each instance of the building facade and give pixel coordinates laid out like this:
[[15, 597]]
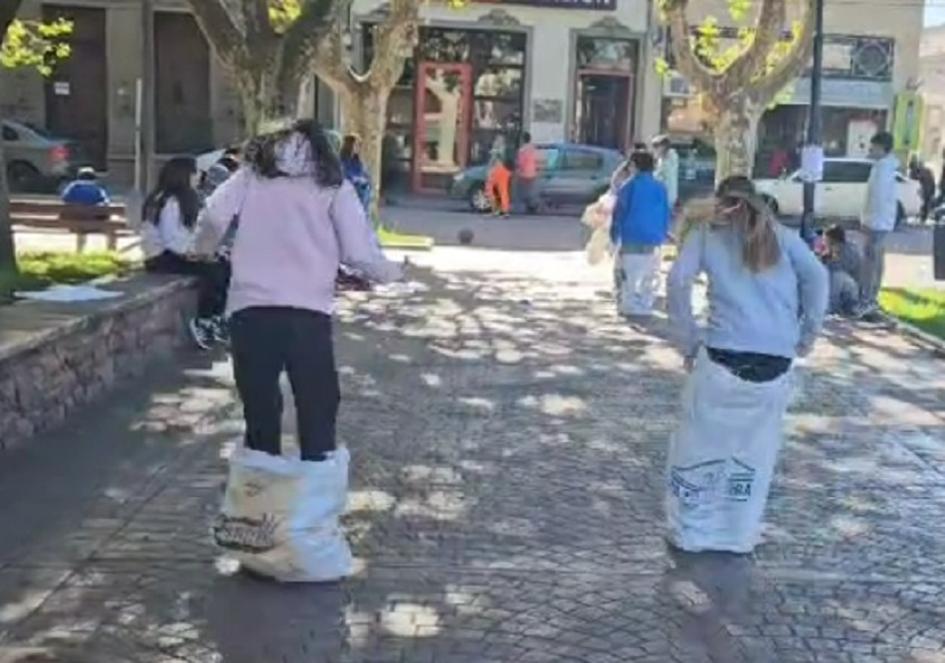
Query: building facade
[[932, 78], [870, 59], [563, 70]]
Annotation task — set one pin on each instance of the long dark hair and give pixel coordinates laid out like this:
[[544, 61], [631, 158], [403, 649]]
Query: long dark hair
[[262, 157], [174, 181]]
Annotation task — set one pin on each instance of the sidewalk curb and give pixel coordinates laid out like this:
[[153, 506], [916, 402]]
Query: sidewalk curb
[[938, 345]]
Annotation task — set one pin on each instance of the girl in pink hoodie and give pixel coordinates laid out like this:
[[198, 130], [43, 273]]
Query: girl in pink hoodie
[[298, 220]]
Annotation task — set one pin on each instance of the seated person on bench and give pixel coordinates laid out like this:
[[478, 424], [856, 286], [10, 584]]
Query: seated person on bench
[[85, 190]]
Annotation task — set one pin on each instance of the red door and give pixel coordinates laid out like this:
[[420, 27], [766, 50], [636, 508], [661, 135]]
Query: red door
[[442, 109]]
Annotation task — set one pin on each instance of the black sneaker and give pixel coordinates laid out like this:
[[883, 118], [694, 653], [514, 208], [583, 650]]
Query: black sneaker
[[201, 330]]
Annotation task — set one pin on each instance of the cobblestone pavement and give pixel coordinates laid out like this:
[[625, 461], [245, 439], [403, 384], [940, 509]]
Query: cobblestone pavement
[[508, 436]]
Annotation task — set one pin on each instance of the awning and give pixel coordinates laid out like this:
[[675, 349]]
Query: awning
[[845, 93]]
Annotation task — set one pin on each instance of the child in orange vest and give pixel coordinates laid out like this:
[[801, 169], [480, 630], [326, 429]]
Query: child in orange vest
[[497, 186]]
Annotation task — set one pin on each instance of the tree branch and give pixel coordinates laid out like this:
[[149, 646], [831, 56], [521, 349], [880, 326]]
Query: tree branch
[[788, 68], [687, 63], [332, 62], [221, 30], [256, 20], [8, 11], [768, 31], [303, 39], [394, 41]]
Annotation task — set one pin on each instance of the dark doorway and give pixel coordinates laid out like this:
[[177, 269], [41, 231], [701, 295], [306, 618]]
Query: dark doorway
[[603, 115], [182, 80], [77, 91]]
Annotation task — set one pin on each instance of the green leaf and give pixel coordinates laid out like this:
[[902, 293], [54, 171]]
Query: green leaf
[[35, 45]]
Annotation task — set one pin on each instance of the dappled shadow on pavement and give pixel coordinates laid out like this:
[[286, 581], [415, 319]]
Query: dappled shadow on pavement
[[508, 436]]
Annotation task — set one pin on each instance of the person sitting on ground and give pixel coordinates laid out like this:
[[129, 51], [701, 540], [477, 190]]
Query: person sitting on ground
[[767, 295], [498, 185], [170, 218], [85, 190], [640, 226], [844, 262]]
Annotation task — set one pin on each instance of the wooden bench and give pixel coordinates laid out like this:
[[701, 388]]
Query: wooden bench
[[81, 220]]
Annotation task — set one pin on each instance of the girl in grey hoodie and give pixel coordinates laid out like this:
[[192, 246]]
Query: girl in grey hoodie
[[767, 296]]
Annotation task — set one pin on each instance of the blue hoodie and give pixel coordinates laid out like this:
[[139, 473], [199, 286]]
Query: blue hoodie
[[641, 215], [85, 192]]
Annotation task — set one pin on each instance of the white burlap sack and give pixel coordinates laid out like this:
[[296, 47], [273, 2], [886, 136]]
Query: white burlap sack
[[599, 247], [280, 516], [722, 458], [598, 216]]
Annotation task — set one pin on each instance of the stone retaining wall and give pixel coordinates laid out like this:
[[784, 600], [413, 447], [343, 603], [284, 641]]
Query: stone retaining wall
[[77, 352]]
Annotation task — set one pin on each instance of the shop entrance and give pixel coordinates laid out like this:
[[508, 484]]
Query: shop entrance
[[441, 139], [603, 114]]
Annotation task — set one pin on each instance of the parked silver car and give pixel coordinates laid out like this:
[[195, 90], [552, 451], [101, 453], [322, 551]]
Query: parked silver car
[[36, 160]]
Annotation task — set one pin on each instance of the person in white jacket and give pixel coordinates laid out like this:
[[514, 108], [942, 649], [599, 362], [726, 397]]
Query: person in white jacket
[[667, 169], [878, 220]]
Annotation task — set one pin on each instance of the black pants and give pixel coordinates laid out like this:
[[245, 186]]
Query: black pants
[[266, 341], [213, 279]]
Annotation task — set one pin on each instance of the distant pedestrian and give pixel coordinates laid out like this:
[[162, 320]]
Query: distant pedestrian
[[922, 174], [844, 261], [879, 219], [85, 190], [779, 163], [354, 170], [767, 296], [527, 171], [640, 226], [499, 185], [941, 182], [667, 167], [218, 173]]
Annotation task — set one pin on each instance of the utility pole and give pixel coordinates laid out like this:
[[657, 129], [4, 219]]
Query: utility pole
[[814, 150], [147, 96]]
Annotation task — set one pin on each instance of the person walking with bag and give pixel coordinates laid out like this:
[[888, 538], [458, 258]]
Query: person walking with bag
[[767, 297], [298, 220]]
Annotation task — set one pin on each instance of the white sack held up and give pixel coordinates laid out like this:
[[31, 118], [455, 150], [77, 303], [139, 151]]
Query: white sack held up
[[597, 216], [280, 516], [722, 458]]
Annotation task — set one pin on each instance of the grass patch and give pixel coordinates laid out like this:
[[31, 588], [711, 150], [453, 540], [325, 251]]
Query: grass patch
[[41, 269], [56, 267], [924, 309], [391, 239]]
